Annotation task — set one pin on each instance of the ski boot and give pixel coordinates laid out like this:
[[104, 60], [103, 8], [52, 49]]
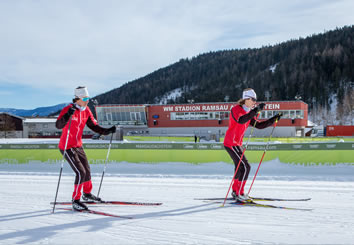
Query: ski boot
[[78, 205], [91, 197], [241, 198]]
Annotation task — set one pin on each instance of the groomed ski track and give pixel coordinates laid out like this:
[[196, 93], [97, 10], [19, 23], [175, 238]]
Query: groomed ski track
[[26, 218]]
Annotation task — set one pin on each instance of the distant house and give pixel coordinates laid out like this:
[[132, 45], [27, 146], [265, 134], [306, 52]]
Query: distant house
[[44, 127], [40, 128], [10, 126]]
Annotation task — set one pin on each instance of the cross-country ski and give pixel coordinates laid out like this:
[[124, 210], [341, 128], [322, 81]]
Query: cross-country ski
[[259, 199], [90, 211], [112, 203], [254, 204]]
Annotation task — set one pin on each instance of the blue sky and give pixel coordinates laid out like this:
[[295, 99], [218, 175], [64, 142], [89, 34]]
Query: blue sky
[[47, 48]]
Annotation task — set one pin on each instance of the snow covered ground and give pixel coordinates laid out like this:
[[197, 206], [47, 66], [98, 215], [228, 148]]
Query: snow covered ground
[[26, 218]]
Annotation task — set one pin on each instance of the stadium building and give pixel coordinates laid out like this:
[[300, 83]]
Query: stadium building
[[205, 120]]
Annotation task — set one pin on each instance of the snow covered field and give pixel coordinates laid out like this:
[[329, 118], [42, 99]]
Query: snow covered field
[[27, 190]]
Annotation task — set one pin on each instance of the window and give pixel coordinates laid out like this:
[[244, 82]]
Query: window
[[285, 114], [119, 116], [203, 115], [263, 115], [122, 115], [179, 116], [292, 114], [135, 116], [142, 117], [127, 116], [109, 116], [299, 114], [217, 115]]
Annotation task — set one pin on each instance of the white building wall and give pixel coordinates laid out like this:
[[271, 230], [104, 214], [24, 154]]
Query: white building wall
[[204, 131], [11, 134]]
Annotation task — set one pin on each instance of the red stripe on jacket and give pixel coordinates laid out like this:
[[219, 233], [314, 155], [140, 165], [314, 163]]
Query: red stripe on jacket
[[236, 131], [78, 122]]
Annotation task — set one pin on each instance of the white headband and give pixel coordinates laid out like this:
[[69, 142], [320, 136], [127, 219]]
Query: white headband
[[249, 94], [81, 92]]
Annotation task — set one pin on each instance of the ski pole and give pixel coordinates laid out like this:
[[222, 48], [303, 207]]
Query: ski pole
[[270, 136], [105, 164], [62, 165], [238, 165]]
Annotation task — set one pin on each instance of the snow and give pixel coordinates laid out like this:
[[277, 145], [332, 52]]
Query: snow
[[27, 189], [273, 67], [171, 95]]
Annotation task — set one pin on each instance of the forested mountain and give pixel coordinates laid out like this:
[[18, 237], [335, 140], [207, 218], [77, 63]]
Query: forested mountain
[[319, 68]]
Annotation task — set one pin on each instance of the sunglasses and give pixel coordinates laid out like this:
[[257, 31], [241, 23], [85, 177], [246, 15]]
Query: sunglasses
[[253, 99], [85, 99]]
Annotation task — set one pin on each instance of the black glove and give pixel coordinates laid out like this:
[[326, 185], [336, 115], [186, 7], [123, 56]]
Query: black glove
[[276, 117], [71, 110], [259, 108], [111, 130], [69, 113]]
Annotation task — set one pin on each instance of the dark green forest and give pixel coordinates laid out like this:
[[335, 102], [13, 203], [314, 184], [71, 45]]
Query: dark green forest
[[319, 68]]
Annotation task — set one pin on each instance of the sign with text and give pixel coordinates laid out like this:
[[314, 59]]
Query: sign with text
[[209, 108]]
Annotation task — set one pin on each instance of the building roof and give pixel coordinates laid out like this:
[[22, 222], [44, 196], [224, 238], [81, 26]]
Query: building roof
[[39, 120], [12, 115]]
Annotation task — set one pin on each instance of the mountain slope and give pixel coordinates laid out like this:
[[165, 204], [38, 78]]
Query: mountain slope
[[40, 111], [318, 68]]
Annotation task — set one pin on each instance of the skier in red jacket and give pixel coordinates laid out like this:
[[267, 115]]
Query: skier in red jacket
[[80, 115], [241, 116]]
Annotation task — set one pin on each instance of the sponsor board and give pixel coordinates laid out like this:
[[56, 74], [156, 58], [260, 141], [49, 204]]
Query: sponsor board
[[25, 147], [96, 146], [216, 147], [256, 147], [203, 147], [314, 146], [189, 146], [185, 146], [153, 146]]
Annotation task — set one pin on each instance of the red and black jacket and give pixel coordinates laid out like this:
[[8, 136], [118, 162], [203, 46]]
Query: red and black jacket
[[238, 124], [78, 121]]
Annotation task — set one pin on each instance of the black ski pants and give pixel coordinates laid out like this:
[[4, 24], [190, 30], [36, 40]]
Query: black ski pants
[[77, 160], [244, 169]]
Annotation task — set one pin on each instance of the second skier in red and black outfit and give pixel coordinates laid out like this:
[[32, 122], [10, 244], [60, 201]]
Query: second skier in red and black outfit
[[80, 115], [242, 115]]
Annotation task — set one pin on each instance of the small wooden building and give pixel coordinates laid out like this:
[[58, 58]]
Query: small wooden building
[[11, 126]]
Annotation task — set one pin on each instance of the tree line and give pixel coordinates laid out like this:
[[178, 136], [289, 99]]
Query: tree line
[[319, 69]]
